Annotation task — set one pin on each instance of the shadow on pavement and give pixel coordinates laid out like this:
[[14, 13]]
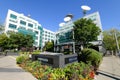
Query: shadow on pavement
[[11, 70], [111, 75]]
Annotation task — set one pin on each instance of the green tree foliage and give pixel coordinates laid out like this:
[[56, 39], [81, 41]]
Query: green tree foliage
[[1, 28], [109, 39], [19, 40], [4, 41], [85, 31], [15, 40], [49, 46], [91, 56]]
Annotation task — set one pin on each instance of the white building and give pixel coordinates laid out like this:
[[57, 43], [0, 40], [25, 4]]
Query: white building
[[47, 36], [20, 23], [66, 29], [95, 17]]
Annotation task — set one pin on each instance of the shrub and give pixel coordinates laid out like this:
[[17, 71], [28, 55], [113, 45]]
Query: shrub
[[21, 59], [67, 52], [36, 52], [77, 71], [90, 56], [74, 71]]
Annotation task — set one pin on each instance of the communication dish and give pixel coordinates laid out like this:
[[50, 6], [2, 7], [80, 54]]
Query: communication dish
[[61, 24], [85, 7], [29, 15], [69, 15], [66, 19]]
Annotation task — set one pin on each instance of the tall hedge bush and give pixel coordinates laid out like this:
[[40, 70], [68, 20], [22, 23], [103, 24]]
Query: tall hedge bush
[[92, 56]]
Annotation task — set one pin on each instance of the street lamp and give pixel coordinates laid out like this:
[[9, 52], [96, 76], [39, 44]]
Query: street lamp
[[85, 8]]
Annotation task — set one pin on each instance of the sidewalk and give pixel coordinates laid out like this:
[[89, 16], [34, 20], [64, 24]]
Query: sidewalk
[[10, 71], [110, 66]]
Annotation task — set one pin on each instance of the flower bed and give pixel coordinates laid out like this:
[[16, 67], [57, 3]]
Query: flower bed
[[74, 71]]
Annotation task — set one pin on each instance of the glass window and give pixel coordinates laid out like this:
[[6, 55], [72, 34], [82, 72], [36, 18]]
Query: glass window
[[13, 20], [36, 37], [36, 43], [12, 26], [22, 22], [13, 16], [30, 25], [30, 30], [39, 27], [22, 27], [36, 32]]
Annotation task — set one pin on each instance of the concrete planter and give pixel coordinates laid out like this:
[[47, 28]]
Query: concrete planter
[[55, 59]]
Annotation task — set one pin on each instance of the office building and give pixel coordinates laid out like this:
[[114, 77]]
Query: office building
[[65, 41], [47, 36], [25, 24], [95, 17]]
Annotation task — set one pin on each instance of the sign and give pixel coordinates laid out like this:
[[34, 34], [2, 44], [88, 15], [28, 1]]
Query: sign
[[71, 59], [45, 60]]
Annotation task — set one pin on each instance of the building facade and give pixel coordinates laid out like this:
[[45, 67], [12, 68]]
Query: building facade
[[20, 23], [65, 41], [64, 38], [95, 17], [47, 36], [98, 45]]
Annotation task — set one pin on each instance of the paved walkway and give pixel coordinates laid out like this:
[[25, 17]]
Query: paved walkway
[[10, 71], [109, 69]]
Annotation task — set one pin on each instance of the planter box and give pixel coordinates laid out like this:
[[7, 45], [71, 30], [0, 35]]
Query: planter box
[[55, 59]]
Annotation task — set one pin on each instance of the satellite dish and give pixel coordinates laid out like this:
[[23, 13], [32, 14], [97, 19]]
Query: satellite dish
[[69, 15], [66, 19], [85, 7], [29, 15], [61, 24]]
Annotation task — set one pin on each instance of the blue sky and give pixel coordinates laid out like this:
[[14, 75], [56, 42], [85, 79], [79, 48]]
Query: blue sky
[[49, 13]]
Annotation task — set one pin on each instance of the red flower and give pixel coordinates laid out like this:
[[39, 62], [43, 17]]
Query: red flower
[[92, 74]]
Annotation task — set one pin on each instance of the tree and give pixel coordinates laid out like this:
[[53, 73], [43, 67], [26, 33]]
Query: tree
[[15, 40], [109, 39], [49, 46], [29, 40], [85, 31], [1, 28], [4, 41], [19, 40]]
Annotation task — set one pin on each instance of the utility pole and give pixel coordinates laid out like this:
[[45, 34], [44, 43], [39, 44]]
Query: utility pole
[[116, 41]]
